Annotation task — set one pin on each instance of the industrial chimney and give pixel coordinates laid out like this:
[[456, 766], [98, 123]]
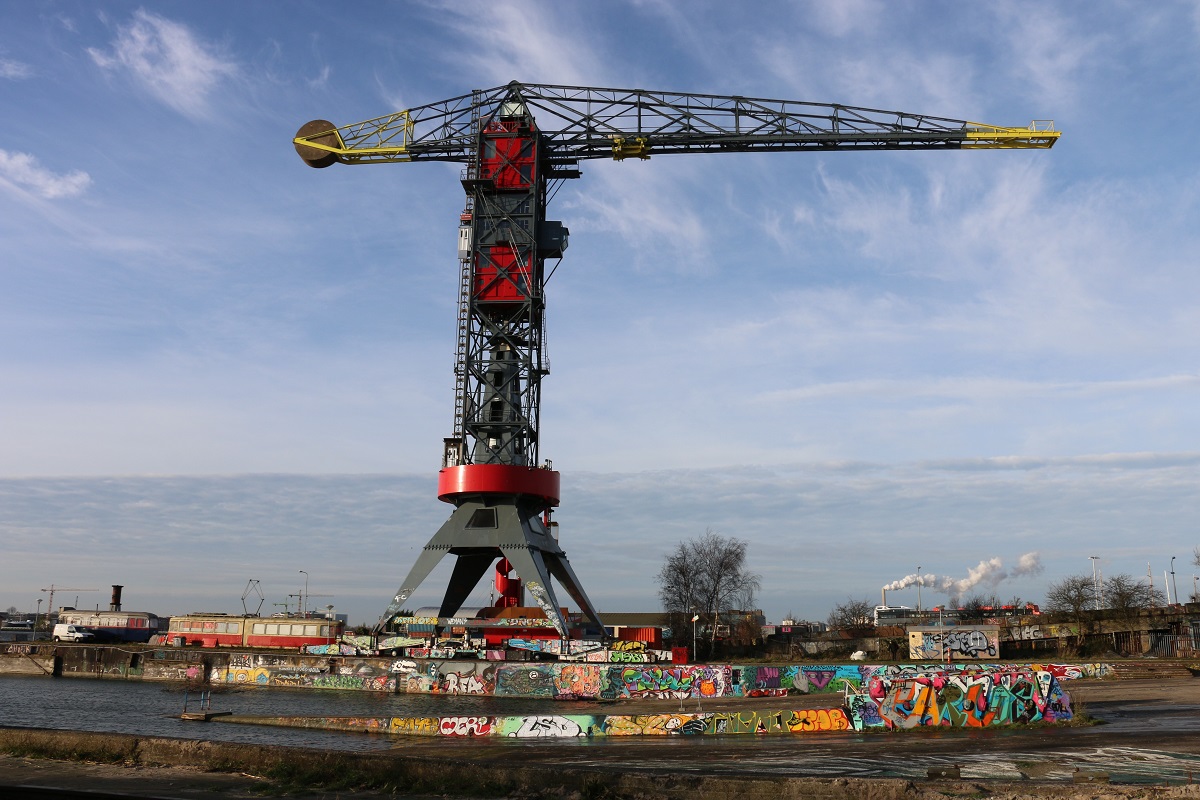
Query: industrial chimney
[[115, 603]]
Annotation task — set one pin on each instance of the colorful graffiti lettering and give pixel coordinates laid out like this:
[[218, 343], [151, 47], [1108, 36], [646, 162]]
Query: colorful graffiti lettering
[[465, 726], [545, 727], [415, 726], [660, 682], [818, 719]]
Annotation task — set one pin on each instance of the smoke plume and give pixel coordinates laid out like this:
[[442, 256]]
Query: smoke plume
[[988, 573]]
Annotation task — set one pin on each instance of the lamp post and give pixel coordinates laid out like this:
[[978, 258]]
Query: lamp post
[[1096, 580], [37, 619], [695, 653], [918, 588], [303, 605], [1174, 587]]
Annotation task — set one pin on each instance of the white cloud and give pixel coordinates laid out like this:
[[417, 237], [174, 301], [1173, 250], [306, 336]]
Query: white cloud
[[14, 70], [505, 42], [1049, 52], [845, 16], [167, 60], [24, 171]]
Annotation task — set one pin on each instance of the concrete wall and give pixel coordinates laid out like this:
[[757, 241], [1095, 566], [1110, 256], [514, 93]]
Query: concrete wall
[[987, 698], [561, 680]]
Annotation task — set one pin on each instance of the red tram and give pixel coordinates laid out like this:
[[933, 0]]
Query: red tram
[[226, 630]]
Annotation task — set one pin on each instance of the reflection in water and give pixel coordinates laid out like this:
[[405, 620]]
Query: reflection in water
[[153, 709]]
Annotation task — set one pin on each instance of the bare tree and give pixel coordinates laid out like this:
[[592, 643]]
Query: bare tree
[[1073, 597], [1125, 597], [706, 577], [852, 614]]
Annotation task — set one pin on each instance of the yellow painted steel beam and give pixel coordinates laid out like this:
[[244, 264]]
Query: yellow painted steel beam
[[375, 138], [1040, 135]]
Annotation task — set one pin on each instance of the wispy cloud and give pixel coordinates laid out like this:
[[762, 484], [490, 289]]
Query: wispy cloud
[[24, 171], [504, 42], [169, 61], [14, 70], [977, 388], [1049, 51]]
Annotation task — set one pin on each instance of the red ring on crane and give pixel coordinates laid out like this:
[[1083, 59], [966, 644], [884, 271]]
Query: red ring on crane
[[497, 479]]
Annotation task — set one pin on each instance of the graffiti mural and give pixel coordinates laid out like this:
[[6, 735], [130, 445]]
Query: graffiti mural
[[980, 698], [954, 644], [526, 680], [546, 727], [578, 681], [465, 726], [711, 681], [964, 699], [656, 682]]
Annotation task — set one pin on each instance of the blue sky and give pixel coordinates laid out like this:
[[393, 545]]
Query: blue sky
[[219, 364]]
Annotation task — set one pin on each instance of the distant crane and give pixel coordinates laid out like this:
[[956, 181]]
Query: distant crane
[[300, 598], [491, 470], [53, 589]]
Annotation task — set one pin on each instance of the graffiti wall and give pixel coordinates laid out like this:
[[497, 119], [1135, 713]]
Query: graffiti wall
[[982, 699], [958, 643], [578, 680], [932, 698], [258, 669]]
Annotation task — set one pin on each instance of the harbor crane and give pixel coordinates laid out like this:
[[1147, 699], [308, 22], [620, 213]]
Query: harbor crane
[[53, 589], [517, 143]]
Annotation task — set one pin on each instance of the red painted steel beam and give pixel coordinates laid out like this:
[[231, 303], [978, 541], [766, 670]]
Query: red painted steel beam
[[500, 479]]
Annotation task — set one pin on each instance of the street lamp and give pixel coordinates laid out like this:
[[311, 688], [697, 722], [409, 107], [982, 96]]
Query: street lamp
[[303, 605], [695, 618], [37, 619], [918, 588], [1174, 588]]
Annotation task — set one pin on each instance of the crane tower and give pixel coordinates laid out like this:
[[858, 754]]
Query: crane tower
[[516, 143]]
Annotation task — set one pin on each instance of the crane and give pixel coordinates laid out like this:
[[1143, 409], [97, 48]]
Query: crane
[[516, 143], [53, 589]]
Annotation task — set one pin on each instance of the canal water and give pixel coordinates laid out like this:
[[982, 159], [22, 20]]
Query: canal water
[[151, 709]]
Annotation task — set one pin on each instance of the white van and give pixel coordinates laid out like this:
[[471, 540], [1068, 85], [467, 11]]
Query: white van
[[69, 633]]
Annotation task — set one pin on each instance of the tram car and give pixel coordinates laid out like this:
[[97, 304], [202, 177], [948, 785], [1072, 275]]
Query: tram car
[[226, 630], [112, 626]]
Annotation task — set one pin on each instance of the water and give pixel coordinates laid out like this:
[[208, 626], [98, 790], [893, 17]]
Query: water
[[151, 709]]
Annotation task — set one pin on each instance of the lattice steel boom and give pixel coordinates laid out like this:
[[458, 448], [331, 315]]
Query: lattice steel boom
[[514, 141]]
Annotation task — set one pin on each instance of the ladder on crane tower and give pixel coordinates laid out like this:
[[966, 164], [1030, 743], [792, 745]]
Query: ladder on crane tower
[[454, 453]]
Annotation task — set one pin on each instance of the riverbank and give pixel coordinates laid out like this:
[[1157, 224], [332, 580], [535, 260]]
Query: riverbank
[[1151, 745]]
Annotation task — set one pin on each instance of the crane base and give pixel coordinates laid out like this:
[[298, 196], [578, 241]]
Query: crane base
[[483, 529]]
